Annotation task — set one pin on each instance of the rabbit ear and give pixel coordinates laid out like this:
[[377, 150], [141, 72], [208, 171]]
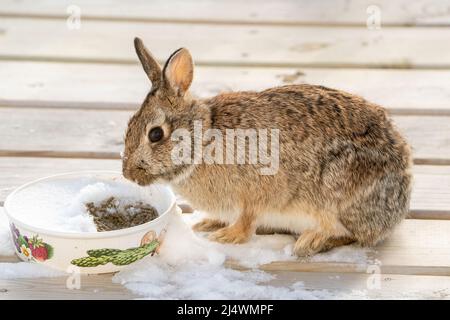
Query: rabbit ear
[[178, 71], [150, 65]]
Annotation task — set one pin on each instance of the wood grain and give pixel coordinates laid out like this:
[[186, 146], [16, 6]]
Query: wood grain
[[284, 12], [231, 45], [98, 86]]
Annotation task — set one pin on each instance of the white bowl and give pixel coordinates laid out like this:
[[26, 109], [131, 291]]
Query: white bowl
[[61, 249]]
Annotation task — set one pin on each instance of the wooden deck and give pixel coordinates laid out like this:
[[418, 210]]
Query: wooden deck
[[66, 95]]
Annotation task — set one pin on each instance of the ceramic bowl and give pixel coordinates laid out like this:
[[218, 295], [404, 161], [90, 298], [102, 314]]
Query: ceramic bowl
[[90, 252]]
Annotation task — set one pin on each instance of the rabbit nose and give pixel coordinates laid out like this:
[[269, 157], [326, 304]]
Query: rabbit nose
[[125, 173]]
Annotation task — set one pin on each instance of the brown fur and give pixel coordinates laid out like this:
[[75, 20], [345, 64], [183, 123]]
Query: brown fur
[[342, 162]]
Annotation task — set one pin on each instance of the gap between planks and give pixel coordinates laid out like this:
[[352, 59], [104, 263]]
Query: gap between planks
[[124, 106], [116, 155], [233, 64], [99, 133], [326, 267], [430, 195], [416, 247], [413, 214], [205, 21]]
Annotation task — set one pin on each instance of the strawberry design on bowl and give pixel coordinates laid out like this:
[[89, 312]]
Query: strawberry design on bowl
[[33, 248], [39, 250]]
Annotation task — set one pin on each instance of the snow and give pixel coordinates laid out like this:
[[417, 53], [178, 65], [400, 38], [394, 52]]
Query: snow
[[6, 244], [190, 267], [27, 270], [204, 281], [345, 254], [60, 204], [260, 250]]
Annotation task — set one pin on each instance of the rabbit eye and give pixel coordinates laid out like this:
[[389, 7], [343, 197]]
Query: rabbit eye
[[156, 134]]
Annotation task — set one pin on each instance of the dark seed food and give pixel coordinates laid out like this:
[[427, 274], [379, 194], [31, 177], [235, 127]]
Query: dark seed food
[[111, 214]]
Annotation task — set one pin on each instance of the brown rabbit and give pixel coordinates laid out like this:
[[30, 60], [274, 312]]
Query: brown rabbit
[[343, 173]]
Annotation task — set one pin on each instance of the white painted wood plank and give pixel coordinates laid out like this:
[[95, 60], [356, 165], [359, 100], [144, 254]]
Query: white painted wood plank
[[92, 287], [125, 86], [431, 190], [430, 197], [418, 247], [17, 171], [354, 12], [99, 133], [104, 41], [428, 136], [365, 286], [315, 285]]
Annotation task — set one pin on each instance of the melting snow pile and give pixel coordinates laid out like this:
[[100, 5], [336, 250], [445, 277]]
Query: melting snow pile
[[190, 267], [6, 244], [27, 270]]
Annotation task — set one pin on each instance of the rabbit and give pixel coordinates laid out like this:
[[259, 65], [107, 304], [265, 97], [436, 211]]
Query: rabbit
[[344, 173]]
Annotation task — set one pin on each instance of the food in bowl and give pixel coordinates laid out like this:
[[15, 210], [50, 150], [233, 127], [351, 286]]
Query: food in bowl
[[113, 214], [97, 221]]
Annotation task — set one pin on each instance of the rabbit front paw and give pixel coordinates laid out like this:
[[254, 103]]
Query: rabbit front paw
[[231, 234], [207, 225]]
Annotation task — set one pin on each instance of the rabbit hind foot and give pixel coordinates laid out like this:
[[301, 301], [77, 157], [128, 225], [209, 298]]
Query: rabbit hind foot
[[311, 242]]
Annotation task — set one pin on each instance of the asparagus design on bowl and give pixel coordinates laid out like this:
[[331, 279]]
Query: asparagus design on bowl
[[150, 244]]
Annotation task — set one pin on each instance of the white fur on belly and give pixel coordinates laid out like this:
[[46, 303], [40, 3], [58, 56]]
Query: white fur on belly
[[293, 222]]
